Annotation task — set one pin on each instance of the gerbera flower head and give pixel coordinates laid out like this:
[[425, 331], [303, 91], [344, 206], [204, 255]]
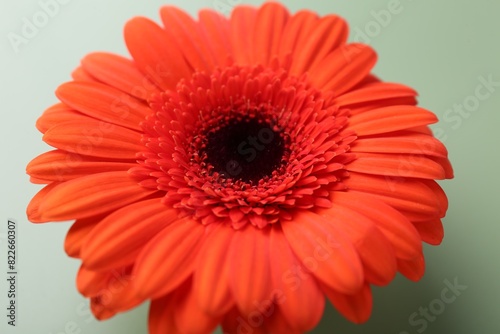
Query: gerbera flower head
[[239, 171]]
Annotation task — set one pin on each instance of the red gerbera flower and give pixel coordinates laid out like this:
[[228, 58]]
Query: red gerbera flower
[[238, 170]]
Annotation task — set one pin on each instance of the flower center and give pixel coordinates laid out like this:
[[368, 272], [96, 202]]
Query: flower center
[[245, 149]]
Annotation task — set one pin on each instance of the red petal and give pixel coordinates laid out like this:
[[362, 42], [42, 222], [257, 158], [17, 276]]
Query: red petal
[[181, 28], [328, 34], [81, 75], [388, 119], [95, 138], [398, 165], [410, 196], [242, 26], [374, 92], [104, 103], [343, 68], [431, 231], [58, 113], [299, 297], [374, 249], [271, 17], [190, 319], [90, 196], [90, 283], [118, 238], [412, 269], [249, 256], [216, 30], [395, 226], [161, 316], [59, 165], [156, 55], [409, 143], [211, 279], [33, 210], [169, 259], [296, 32], [309, 234], [78, 234], [120, 73], [356, 307]]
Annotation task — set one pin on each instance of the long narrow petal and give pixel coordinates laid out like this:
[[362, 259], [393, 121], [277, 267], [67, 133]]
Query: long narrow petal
[[277, 322], [328, 34], [89, 283], [235, 322], [118, 238], [395, 226], [168, 259], [249, 256], [412, 269], [120, 73], [398, 165], [270, 21], [211, 279], [410, 196], [90, 196], [59, 165], [33, 210], [300, 299], [181, 28], [155, 54], [343, 68], [296, 32], [104, 103], [375, 251], [190, 319], [408, 143], [431, 231], [95, 138], [374, 92], [242, 25], [390, 119], [161, 316], [339, 266], [215, 28], [58, 113], [356, 307], [78, 234]]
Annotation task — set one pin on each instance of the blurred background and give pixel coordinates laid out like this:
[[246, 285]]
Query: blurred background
[[448, 50]]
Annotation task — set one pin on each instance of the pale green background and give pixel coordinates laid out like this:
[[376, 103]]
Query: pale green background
[[441, 48]]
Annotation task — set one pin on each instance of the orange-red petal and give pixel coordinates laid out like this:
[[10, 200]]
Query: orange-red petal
[[168, 259], [327, 34], [105, 103], [119, 237], [119, 72], [309, 234], [300, 300], [60, 165], [398, 165], [356, 307], [90, 196], [269, 23], [95, 138], [389, 119], [78, 234], [343, 68], [394, 225], [249, 256], [211, 279], [374, 249], [156, 55]]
